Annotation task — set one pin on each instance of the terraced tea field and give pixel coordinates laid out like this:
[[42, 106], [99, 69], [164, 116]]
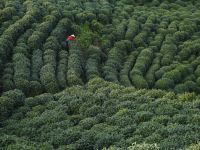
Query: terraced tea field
[[132, 75]]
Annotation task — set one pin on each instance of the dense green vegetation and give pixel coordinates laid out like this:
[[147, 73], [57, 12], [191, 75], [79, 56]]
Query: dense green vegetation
[[99, 115], [145, 44], [131, 80]]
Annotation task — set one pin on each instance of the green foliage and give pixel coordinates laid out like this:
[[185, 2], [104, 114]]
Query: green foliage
[[94, 117], [181, 88], [115, 60], [124, 73], [143, 146], [194, 147], [62, 69], [37, 63], [9, 101], [120, 30], [139, 81], [86, 36], [35, 88], [150, 75], [7, 79], [75, 66], [93, 62], [7, 13], [143, 116], [133, 28], [164, 83], [48, 78], [143, 62], [145, 44], [13, 32]]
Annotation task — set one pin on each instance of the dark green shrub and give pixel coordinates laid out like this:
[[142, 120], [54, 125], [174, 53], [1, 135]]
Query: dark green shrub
[[52, 43], [7, 79], [164, 83], [162, 119], [87, 123], [140, 39], [93, 62], [35, 88], [93, 111], [192, 86], [75, 68], [166, 109], [133, 28], [37, 63], [193, 147], [162, 70], [180, 119], [115, 60], [9, 101], [181, 88], [150, 75], [87, 141], [39, 100], [143, 62], [147, 128], [139, 81], [48, 78], [197, 71], [143, 116], [62, 69], [105, 140], [124, 74]]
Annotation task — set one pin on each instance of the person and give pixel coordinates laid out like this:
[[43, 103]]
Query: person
[[69, 39]]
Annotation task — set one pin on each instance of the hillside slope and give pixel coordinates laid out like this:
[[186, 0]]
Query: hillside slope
[[145, 44], [133, 74], [101, 114]]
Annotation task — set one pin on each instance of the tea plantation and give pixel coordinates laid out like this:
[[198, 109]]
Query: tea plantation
[[130, 81]]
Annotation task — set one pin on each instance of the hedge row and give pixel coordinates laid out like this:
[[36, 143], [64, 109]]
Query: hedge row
[[187, 28], [115, 60], [93, 62], [138, 71], [140, 40], [48, 71], [36, 64], [36, 40], [48, 78], [7, 79], [159, 73], [124, 73], [150, 74], [62, 69], [9, 101], [169, 79], [168, 50], [7, 13], [120, 30], [22, 64], [54, 42], [156, 45], [104, 12], [132, 29], [14, 31], [10, 13], [51, 54], [188, 48], [11, 9], [75, 65], [140, 68]]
